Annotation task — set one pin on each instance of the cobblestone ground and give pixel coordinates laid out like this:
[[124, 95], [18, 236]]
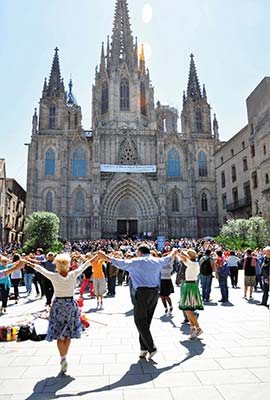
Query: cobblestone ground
[[230, 362]]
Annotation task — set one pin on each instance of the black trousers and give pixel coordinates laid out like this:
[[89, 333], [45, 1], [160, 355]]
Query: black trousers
[[48, 290], [265, 293], [4, 292], [15, 284], [37, 280], [234, 276], [144, 307]]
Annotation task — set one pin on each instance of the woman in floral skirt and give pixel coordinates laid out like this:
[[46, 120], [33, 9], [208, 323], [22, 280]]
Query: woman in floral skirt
[[64, 320], [191, 299]]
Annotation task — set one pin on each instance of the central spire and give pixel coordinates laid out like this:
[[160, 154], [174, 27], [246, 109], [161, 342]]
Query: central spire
[[122, 39], [55, 86], [193, 89]]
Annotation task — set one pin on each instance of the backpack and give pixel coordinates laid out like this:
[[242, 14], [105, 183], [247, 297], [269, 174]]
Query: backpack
[[224, 270], [205, 267]]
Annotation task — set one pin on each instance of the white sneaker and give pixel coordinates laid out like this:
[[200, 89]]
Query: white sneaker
[[64, 365], [151, 355], [199, 331], [101, 307], [143, 354], [192, 332]]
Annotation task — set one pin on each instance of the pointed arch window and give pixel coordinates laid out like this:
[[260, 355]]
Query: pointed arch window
[[49, 201], [124, 95], [143, 99], [204, 202], [175, 201], [50, 162], [198, 119], [79, 201], [79, 164], [105, 98], [174, 169], [52, 113], [266, 179], [202, 164]]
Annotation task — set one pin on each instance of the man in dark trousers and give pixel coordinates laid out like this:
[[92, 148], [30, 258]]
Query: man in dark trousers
[[144, 272], [46, 284], [49, 264]]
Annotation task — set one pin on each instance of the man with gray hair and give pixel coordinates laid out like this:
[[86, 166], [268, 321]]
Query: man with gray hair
[[144, 271]]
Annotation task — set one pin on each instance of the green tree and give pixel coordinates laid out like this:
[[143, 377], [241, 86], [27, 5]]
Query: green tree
[[242, 233], [42, 230], [258, 232]]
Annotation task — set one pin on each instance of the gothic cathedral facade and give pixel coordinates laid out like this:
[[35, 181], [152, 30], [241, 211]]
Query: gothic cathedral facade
[[133, 173]]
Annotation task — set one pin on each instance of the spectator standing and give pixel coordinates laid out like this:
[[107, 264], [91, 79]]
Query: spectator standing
[[16, 277], [207, 266], [265, 267], [233, 264], [223, 271], [249, 266], [5, 284]]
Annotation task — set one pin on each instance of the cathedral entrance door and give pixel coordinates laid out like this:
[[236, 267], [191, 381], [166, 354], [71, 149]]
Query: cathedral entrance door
[[133, 227], [127, 227]]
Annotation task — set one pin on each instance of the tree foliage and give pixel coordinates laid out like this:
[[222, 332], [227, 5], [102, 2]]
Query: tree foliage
[[243, 233], [42, 230]]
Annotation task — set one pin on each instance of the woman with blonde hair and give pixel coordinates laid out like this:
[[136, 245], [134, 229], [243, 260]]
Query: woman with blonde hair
[[64, 320]]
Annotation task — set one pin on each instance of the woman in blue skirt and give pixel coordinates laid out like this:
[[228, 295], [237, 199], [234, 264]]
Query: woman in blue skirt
[[64, 320], [191, 299]]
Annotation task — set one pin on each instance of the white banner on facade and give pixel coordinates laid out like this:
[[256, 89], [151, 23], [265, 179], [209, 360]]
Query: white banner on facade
[[138, 169]]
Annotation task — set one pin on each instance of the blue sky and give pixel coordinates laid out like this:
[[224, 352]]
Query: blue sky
[[230, 41]]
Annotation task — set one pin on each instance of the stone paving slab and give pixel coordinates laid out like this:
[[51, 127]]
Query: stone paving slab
[[196, 393], [244, 392], [230, 361]]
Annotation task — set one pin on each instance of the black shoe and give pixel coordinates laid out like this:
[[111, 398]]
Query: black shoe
[[261, 304], [221, 301], [186, 321]]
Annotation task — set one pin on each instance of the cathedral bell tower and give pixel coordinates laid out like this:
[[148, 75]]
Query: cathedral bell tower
[[122, 91], [196, 113], [58, 110]]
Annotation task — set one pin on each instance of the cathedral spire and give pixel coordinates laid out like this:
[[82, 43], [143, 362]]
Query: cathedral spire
[[142, 61], [55, 85], [193, 89], [70, 97], [108, 52], [122, 40], [204, 93], [215, 128], [102, 59]]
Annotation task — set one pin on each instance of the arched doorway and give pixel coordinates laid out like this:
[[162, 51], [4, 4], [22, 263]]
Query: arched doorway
[[128, 208]]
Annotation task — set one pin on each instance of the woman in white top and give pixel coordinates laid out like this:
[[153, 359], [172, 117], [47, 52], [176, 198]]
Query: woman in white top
[[64, 320], [191, 299]]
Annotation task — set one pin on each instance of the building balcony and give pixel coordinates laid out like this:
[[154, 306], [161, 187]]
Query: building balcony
[[238, 204]]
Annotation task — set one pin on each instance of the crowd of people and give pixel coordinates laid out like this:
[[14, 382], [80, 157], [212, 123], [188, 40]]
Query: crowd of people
[[151, 273]]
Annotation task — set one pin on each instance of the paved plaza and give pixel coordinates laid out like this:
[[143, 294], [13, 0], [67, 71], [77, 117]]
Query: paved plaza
[[230, 362]]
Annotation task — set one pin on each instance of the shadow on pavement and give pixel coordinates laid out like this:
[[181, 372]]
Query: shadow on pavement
[[194, 347], [210, 303], [227, 304], [46, 388], [53, 384], [168, 318]]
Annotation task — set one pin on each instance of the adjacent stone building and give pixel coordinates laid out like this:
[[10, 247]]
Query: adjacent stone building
[[12, 208], [133, 173], [2, 197], [243, 163]]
